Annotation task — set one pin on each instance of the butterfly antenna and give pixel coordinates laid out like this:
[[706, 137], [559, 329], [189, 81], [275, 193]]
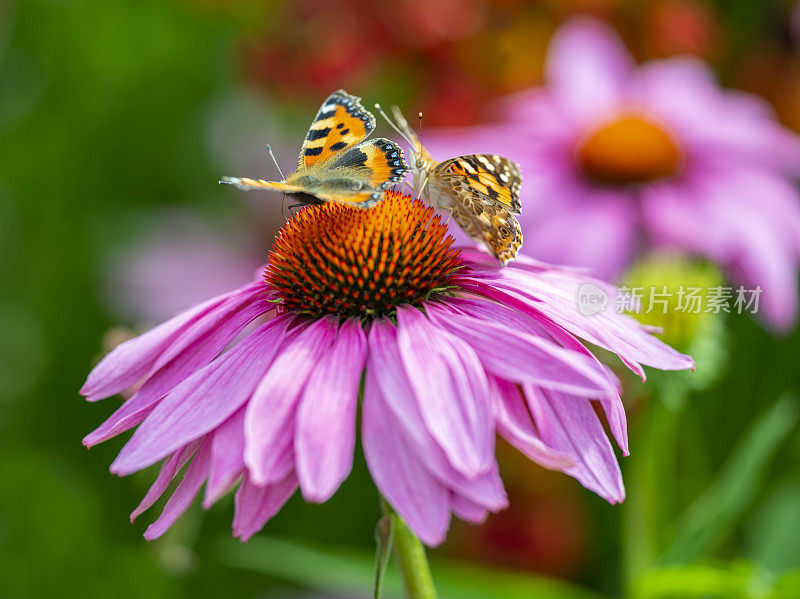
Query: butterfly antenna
[[280, 172], [419, 114], [392, 125]]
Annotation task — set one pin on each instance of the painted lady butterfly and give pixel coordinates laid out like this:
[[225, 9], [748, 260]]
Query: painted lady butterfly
[[337, 163], [481, 191]]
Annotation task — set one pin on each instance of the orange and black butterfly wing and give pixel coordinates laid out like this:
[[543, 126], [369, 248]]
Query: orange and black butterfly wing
[[378, 161], [360, 175], [493, 176], [487, 223], [482, 193], [336, 164], [340, 124]]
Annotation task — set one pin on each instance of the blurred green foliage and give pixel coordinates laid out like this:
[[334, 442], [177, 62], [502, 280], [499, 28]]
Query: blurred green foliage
[[103, 116], [347, 572]]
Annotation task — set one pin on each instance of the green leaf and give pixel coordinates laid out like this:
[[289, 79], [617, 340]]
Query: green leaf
[[350, 571], [456, 580], [729, 581], [337, 571], [787, 586], [711, 517], [736, 580], [773, 533], [384, 536]]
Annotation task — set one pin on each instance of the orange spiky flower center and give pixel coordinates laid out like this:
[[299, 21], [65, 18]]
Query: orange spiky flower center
[[335, 259], [631, 147]]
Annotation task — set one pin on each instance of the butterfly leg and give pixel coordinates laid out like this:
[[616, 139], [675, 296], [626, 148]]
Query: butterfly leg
[[289, 209], [422, 187], [286, 216]]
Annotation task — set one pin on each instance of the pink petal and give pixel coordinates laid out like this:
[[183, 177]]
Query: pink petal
[[486, 491], [531, 112], [204, 400], [724, 126], [195, 348], [255, 505], [395, 388], [168, 471], [570, 424], [768, 265], [127, 363], [227, 457], [674, 219], [756, 218], [587, 66], [271, 413], [515, 425], [184, 495], [778, 201], [617, 420], [554, 294], [401, 478], [451, 388], [224, 323], [517, 356], [326, 415], [612, 403], [466, 510], [681, 91]]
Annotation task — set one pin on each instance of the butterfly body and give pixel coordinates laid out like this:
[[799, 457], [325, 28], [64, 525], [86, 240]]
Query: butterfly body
[[337, 163], [480, 191]]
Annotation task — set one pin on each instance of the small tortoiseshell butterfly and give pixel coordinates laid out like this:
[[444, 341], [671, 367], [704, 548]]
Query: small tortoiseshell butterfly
[[481, 191], [337, 163]]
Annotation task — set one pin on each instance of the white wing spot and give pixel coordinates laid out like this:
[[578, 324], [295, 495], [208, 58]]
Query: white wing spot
[[468, 167], [486, 163]]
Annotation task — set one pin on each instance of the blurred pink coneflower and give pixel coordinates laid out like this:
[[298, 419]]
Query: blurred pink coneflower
[[620, 158]]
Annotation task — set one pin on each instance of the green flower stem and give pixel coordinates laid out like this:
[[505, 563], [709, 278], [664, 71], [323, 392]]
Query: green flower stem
[[411, 559], [650, 480]]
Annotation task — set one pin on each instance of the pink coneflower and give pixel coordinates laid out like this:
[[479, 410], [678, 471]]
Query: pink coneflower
[[619, 158], [260, 386]]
